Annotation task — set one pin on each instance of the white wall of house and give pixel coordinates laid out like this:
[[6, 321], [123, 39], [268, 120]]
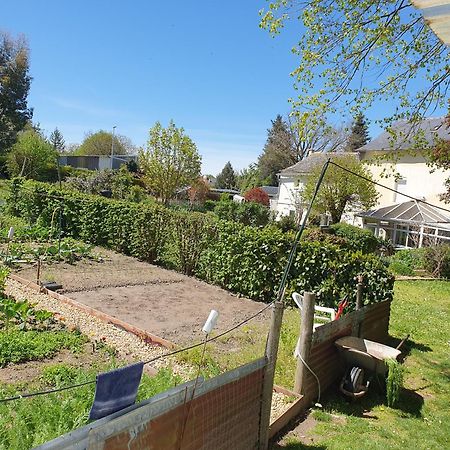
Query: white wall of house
[[415, 180], [288, 194]]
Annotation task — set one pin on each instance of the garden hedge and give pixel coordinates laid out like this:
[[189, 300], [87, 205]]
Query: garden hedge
[[246, 260]]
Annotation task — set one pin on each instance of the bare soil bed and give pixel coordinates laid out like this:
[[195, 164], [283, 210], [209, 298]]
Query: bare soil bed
[[166, 303]]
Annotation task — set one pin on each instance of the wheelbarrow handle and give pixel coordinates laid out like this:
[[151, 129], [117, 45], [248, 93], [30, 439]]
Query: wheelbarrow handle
[[402, 342]]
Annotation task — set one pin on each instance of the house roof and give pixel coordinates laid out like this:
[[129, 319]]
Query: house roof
[[308, 164], [271, 191], [405, 132], [411, 212], [436, 14]]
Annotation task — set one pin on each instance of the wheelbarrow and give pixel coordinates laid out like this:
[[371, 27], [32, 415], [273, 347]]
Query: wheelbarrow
[[362, 354]]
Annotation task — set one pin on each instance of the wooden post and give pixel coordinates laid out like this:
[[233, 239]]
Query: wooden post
[[38, 271], [359, 292], [306, 331], [269, 373]]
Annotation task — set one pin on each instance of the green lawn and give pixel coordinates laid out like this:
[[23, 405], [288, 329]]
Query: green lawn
[[421, 420]]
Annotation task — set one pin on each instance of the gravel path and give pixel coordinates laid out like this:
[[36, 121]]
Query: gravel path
[[128, 345]]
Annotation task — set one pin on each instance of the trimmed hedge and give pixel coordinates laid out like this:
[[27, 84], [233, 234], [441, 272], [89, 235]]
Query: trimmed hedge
[[246, 260]]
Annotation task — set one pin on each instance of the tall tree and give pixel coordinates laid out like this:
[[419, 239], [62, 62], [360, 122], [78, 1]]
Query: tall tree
[[278, 152], [227, 178], [249, 178], [57, 140], [353, 53], [340, 189], [14, 86], [170, 162], [32, 156], [100, 143], [359, 134]]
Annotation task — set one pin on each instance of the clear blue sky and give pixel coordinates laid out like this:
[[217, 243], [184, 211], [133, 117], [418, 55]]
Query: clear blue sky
[[205, 64]]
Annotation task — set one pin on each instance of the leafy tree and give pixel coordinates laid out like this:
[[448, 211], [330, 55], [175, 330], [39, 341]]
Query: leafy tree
[[359, 135], [249, 178], [278, 152], [257, 195], [198, 191], [14, 86], [439, 158], [340, 189], [100, 143], [170, 162], [32, 156], [227, 178], [57, 140], [247, 213], [356, 52]]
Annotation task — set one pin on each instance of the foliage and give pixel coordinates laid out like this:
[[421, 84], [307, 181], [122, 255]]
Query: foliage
[[437, 260], [359, 135], [355, 53], [101, 142], [406, 262], [257, 195], [246, 213], [25, 424], [14, 86], [357, 238], [286, 223], [340, 190], [32, 157], [227, 178], [278, 152], [394, 381], [57, 140], [198, 191], [19, 346], [249, 178], [122, 183], [246, 260], [170, 162]]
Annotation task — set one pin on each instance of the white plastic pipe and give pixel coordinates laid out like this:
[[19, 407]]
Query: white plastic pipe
[[11, 233], [210, 321]]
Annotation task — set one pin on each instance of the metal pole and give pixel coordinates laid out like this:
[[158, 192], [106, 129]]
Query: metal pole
[[306, 332], [112, 145], [359, 292], [269, 373]]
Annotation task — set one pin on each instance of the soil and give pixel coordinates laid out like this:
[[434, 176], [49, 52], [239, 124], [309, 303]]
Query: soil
[[163, 302]]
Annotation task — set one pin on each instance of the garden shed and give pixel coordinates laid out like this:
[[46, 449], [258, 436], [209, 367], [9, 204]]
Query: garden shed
[[408, 224]]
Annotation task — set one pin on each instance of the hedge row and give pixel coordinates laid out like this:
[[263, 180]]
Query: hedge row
[[246, 260]]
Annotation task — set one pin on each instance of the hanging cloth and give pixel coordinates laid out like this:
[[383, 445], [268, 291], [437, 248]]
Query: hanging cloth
[[115, 390]]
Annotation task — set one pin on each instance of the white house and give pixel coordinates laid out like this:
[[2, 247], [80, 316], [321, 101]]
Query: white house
[[396, 159], [292, 181]]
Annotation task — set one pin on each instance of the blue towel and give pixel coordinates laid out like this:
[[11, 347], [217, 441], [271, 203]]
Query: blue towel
[[116, 390]]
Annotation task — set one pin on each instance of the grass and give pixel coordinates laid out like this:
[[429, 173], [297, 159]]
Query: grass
[[421, 418], [29, 422]]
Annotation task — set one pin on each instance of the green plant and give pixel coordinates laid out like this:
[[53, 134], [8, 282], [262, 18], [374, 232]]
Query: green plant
[[357, 238], [406, 262], [394, 381], [437, 260], [19, 346]]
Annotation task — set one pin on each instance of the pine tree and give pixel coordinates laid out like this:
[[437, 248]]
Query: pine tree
[[278, 152], [227, 178], [57, 140], [359, 135]]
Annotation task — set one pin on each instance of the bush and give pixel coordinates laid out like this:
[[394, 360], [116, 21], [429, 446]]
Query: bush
[[246, 260], [437, 260], [357, 238], [246, 213], [257, 195], [406, 262]]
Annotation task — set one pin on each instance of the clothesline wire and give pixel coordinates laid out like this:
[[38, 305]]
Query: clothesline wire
[[145, 362]]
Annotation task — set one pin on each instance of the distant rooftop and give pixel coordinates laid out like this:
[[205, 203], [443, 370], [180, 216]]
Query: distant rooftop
[[406, 135], [271, 191], [308, 164]]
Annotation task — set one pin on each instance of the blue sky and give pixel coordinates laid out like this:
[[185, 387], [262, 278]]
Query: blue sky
[[204, 64]]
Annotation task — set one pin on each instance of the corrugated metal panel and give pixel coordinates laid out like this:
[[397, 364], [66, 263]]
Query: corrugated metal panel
[[437, 15]]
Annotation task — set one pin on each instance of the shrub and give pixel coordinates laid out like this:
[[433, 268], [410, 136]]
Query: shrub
[[286, 223], [257, 195], [437, 260], [246, 213], [406, 262], [246, 260], [357, 238]]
